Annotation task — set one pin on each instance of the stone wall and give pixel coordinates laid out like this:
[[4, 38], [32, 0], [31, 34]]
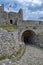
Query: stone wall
[[39, 40], [8, 43]]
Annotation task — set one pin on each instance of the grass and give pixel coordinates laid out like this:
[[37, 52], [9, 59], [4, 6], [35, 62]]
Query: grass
[[2, 57], [5, 57], [20, 52], [8, 27], [41, 33], [28, 25]]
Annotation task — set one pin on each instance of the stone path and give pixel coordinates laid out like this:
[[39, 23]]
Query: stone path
[[32, 56]]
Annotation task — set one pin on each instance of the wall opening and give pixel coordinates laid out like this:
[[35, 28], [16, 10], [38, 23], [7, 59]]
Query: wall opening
[[11, 21], [28, 37]]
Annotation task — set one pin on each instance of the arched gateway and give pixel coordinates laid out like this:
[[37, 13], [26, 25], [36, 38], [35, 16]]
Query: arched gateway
[[28, 37]]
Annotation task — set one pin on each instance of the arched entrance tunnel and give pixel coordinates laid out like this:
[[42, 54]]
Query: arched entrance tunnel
[[28, 37]]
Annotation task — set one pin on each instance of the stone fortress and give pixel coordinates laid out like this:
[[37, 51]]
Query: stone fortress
[[9, 17], [12, 17], [28, 30], [26, 38]]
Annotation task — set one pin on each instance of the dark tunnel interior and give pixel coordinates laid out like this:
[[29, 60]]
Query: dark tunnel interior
[[11, 21], [28, 37]]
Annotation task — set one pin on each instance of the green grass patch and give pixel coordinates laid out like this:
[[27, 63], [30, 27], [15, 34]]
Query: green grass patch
[[5, 57], [2, 57], [41, 33], [8, 27], [20, 52]]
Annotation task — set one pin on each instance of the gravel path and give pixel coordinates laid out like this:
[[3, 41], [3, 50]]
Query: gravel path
[[32, 56]]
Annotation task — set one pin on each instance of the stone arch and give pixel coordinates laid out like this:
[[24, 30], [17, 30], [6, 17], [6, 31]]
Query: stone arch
[[28, 37]]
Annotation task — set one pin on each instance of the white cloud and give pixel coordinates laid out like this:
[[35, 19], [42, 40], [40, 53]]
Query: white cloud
[[37, 2], [38, 12], [32, 15], [22, 1]]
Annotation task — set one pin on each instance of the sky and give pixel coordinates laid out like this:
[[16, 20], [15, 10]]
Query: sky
[[32, 9]]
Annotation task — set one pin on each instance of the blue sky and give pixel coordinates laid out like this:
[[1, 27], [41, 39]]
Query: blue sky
[[32, 9]]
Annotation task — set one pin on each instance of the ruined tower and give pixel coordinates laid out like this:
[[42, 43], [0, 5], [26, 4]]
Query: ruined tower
[[20, 17]]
